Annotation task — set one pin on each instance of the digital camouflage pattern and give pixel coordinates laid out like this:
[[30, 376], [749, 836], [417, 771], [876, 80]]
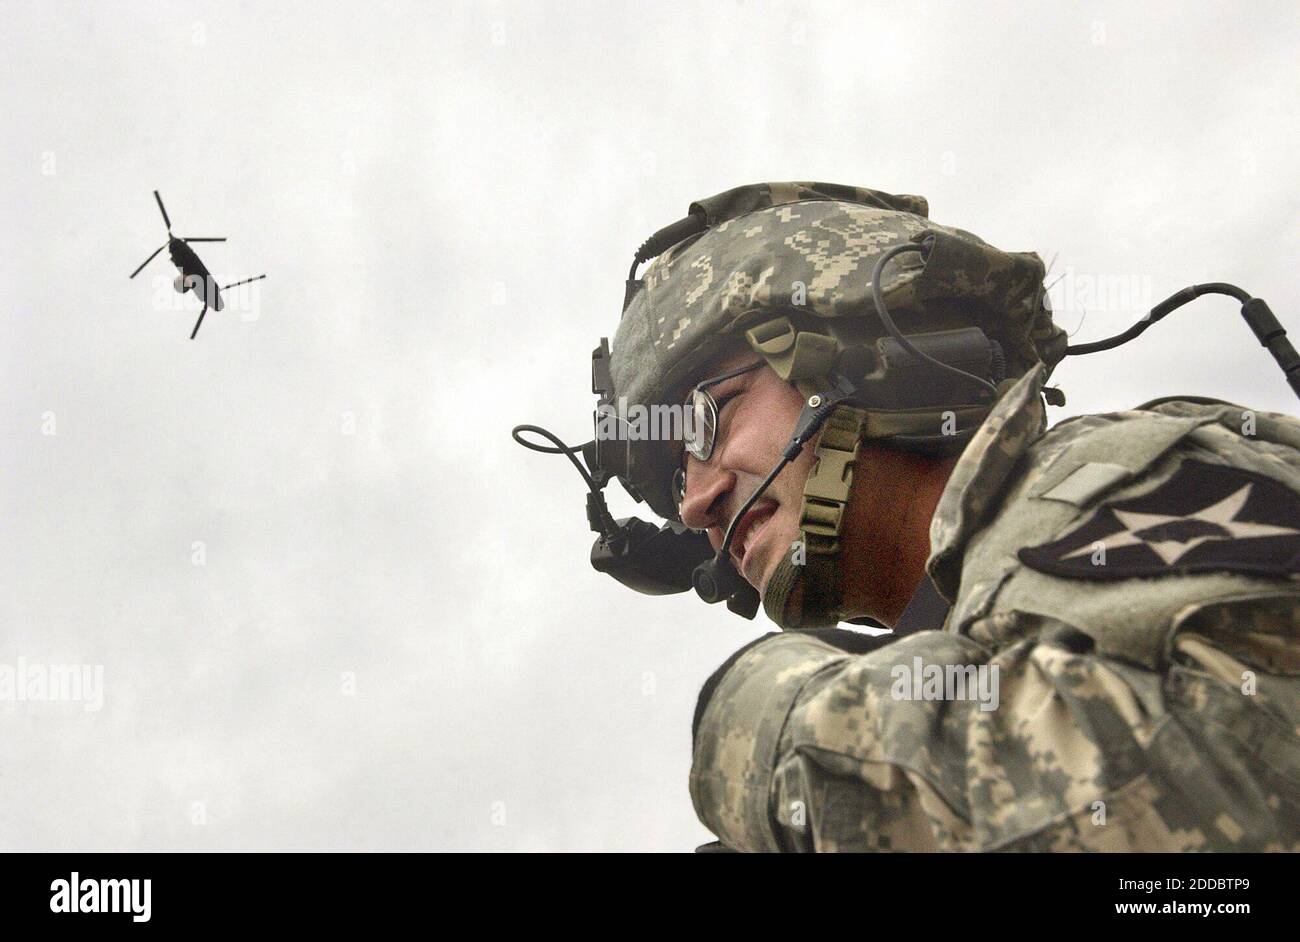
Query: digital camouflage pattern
[[806, 251], [1140, 714]]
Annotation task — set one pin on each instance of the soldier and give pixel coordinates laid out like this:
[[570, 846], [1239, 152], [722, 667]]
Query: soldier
[[1095, 629]]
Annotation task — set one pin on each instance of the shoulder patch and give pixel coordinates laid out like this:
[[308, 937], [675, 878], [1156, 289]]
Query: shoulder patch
[[1205, 518]]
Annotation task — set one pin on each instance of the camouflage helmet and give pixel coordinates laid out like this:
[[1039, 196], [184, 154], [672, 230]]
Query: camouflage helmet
[[787, 267]]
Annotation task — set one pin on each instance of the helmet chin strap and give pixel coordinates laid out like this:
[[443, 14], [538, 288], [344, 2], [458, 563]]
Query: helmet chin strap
[[806, 589]]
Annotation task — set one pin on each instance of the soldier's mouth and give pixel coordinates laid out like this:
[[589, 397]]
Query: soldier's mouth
[[749, 533]]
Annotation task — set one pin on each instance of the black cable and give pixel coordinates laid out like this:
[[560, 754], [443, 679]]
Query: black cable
[[748, 505], [878, 295], [560, 449], [669, 236], [1168, 305]]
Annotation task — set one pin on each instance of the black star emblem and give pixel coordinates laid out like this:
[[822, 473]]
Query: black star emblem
[[1205, 517]]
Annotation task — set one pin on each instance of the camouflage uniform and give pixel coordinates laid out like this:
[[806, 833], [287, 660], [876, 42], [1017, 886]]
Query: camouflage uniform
[[1147, 654]]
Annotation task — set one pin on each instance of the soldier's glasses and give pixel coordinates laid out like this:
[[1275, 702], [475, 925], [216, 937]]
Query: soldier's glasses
[[700, 434]]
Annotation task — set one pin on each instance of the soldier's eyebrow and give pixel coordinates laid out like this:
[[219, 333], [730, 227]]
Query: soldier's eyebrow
[[725, 392], [731, 388]]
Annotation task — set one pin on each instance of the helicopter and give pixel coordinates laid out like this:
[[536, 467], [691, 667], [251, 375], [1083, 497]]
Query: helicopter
[[194, 275]]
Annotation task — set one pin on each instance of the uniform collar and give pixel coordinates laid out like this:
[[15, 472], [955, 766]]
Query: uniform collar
[[981, 476]]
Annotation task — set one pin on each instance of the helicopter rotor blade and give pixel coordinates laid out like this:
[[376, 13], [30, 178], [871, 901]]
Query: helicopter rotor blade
[[199, 323], [204, 239], [236, 284], [164, 210], [149, 259]]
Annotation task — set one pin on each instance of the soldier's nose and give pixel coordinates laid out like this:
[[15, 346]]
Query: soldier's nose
[[706, 487]]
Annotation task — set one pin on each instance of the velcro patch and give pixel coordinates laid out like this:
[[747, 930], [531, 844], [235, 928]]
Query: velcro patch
[[1205, 518]]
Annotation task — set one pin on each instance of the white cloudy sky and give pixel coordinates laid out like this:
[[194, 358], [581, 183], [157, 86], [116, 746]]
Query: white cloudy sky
[[446, 200]]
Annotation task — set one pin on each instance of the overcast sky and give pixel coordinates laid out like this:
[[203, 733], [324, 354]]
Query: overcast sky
[[335, 606]]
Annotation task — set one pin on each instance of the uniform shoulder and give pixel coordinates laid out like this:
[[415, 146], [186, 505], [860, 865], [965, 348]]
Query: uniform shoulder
[[1116, 521], [1019, 488]]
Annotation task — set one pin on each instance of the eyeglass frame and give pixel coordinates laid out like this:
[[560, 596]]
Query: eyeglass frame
[[699, 395]]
